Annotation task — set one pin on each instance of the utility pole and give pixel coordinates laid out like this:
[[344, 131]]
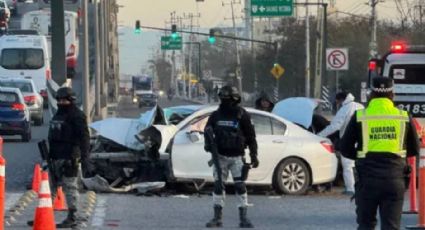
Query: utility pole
[[238, 59], [85, 56], [97, 60], [58, 42], [307, 51], [190, 17], [319, 49], [373, 46]]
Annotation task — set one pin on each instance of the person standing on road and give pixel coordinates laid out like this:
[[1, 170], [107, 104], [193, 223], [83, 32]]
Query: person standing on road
[[69, 143], [264, 102], [379, 138], [233, 131], [347, 107]]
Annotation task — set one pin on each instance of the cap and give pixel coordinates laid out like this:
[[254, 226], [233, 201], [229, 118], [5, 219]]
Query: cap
[[382, 85]]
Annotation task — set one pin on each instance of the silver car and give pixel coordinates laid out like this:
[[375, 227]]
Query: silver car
[[32, 98]]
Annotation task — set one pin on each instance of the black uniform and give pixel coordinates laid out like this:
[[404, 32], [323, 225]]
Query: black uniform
[[233, 132], [381, 176]]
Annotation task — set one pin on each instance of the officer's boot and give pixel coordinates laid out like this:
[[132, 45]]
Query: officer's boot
[[245, 223], [70, 221], [216, 221]]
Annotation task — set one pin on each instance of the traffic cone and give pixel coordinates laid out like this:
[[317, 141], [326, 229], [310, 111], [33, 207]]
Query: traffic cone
[[44, 218], [59, 202], [36, 178], [2, 190]]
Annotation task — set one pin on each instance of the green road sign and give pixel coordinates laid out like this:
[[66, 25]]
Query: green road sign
[[271, 8], [168, 43]]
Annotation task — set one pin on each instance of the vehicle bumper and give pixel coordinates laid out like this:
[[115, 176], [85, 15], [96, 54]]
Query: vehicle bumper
[[36, 112], [13, 127]]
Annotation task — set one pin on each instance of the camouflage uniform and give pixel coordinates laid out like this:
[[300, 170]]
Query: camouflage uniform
[[68, 183]]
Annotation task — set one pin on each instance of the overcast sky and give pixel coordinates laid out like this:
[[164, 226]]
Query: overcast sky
[[156, 12]]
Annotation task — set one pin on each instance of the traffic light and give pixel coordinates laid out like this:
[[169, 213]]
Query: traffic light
[[174, 33], [211, 38], [137, 29]]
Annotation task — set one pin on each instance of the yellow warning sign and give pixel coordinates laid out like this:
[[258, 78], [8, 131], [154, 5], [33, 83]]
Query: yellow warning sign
[[277, 71]]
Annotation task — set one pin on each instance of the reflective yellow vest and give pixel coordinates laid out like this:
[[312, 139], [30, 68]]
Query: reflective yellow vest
[[383, 128]]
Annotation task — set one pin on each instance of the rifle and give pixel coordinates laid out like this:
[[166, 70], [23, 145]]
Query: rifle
[[44, 152], [209, 135]]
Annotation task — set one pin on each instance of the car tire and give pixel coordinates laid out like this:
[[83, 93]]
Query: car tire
[[26, 137], [39, 121], [292, 177]]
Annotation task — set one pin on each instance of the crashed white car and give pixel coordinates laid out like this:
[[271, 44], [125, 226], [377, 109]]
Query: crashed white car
[[291, 158]]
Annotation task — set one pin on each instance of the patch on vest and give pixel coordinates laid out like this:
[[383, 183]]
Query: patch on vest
[[232, 124], [379, 133]]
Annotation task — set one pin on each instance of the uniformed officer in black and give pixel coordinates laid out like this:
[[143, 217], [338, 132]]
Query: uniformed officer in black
[[69, 143], [380, 138], [233, 132]]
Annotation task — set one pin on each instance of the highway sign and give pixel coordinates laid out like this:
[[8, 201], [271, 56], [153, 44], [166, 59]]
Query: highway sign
[[168, 43], [277, 71], [271, 8], [337, 59]]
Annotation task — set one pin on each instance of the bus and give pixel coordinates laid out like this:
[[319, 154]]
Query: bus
[[39, 20]]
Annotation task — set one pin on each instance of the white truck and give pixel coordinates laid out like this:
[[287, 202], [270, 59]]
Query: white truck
[[39, 20]]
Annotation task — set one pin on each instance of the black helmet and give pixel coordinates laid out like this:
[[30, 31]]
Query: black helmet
[[229, 92], [382, 85], [65, 93]]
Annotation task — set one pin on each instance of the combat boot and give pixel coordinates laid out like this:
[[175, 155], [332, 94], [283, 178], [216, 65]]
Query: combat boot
[[70, 221], [245, 223], [216, 221]]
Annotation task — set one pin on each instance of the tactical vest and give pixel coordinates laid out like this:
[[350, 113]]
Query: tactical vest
[[228, 133], [383, 128]]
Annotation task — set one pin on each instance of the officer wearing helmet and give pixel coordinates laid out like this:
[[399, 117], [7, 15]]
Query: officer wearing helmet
[[379, 138], [233, 132], [69, 143]]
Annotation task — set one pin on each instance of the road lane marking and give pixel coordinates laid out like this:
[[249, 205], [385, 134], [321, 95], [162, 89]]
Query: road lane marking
[[99, 212]]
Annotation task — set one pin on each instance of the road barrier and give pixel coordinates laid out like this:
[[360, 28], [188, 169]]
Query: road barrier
[[2, 189], [421, 213], [412, 187], [44, 218], [36, 178]]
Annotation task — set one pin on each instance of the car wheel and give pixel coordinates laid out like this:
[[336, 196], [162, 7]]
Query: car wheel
[[292, 177], [39, 121], [26, 137]]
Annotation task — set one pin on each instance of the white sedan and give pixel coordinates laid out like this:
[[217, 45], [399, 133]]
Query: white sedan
[[291, 158]]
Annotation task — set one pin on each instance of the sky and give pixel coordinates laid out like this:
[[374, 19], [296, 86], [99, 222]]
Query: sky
[[212, 12], [136, 50]]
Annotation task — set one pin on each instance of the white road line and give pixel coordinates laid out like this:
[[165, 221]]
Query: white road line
[[11, 199], [99, 212]]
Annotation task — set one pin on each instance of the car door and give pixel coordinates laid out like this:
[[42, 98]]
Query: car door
[[188, 157], [270, 135]]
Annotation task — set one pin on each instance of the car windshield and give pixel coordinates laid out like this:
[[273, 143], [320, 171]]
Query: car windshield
[[8, 98], [22, 58], [25, 87]]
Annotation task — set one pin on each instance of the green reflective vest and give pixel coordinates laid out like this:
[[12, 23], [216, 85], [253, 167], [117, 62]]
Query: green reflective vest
[[383, 128]]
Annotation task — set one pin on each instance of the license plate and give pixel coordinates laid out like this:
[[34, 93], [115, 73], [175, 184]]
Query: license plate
[[416, 109]]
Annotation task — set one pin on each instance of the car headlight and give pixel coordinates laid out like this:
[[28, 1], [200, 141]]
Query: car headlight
[[161, 93], [135, 99]]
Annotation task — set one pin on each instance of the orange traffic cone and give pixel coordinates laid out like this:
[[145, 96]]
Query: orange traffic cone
[[44, 218], [36, 178], [59, 203]]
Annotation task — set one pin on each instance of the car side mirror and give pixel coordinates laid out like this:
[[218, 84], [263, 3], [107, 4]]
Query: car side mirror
[[194, 136]]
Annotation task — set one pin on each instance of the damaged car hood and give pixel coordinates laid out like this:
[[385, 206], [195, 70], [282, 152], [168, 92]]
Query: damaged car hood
[[297, 109], [123, 130]]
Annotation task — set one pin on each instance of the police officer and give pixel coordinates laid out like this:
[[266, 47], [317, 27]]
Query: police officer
[[69, 142], [233, 131], [379, 138]]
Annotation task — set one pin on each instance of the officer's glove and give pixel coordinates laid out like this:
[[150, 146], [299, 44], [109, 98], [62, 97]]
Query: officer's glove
[[207, 148], [88, 167], [254, 161]]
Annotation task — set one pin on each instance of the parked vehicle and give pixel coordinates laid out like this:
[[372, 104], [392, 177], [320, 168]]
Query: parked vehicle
[[14, 114], [32, 98], [40, 20], [26, 56], [292, 158]]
